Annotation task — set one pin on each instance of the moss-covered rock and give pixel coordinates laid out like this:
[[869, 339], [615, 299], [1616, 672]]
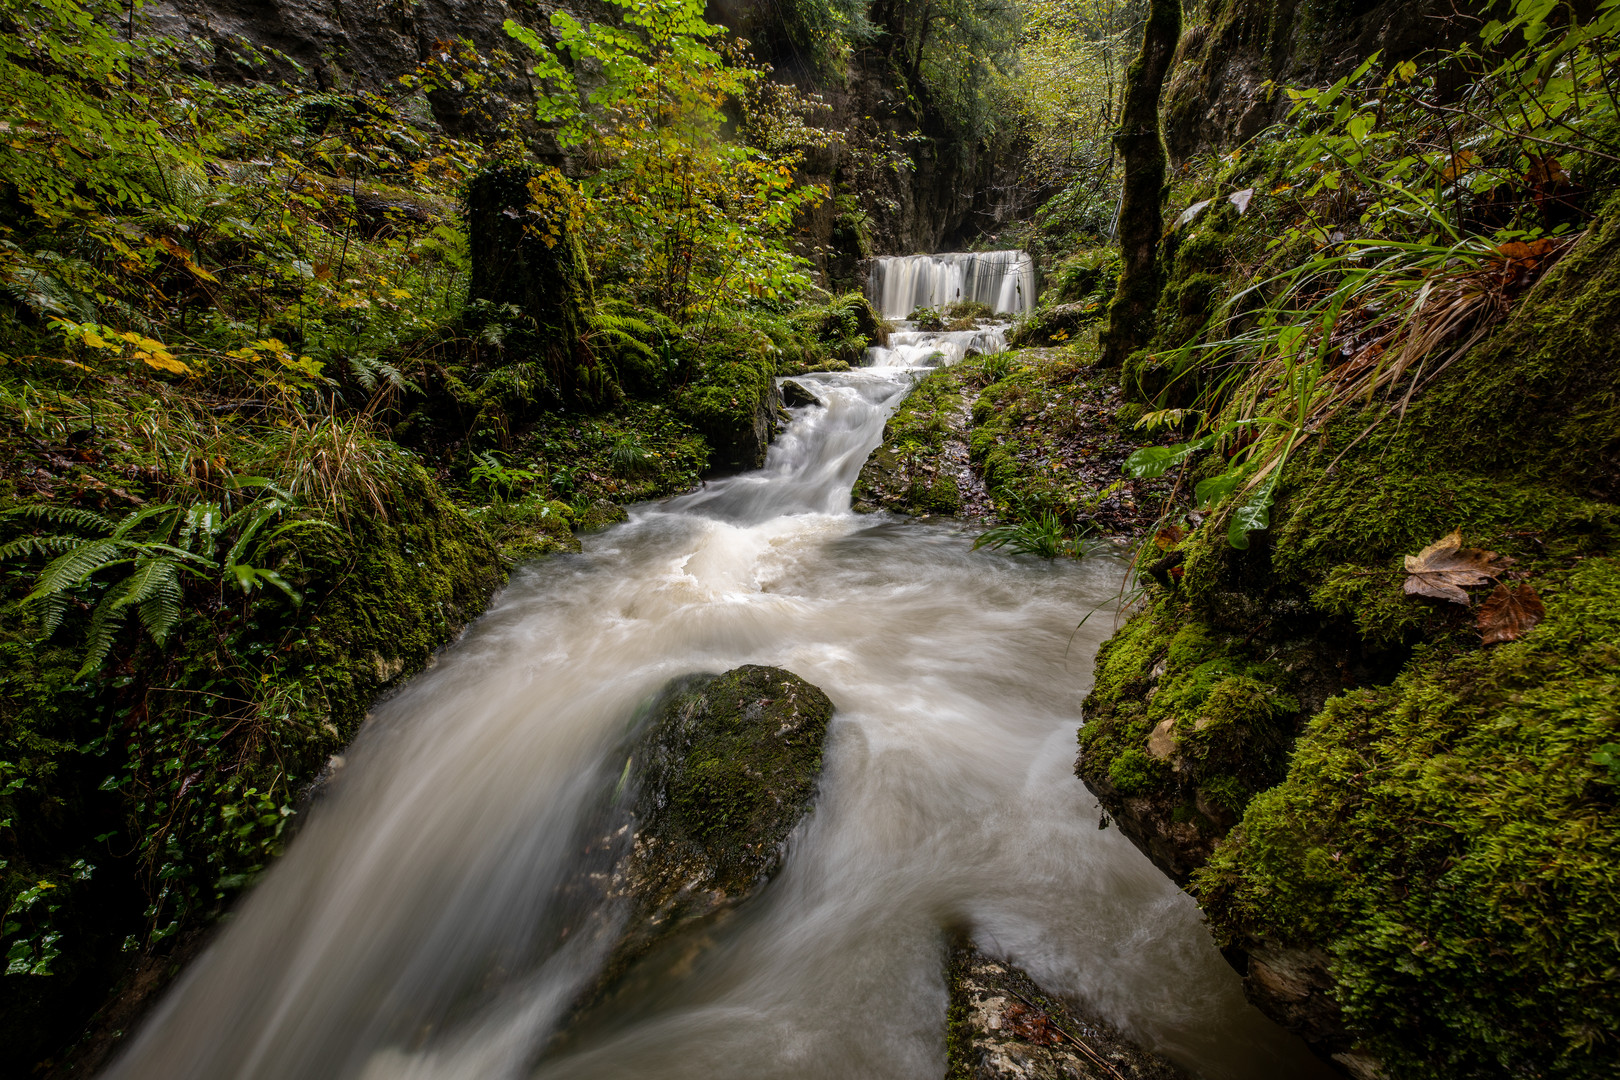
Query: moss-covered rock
[[734, 401], [1425, 882], [912, 471], [725, 768]]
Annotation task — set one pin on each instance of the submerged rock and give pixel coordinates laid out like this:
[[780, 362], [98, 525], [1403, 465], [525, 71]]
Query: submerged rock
[[1004, 1027]]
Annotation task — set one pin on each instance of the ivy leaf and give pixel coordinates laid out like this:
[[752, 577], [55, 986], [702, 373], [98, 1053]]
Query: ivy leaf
[[1509, 613], [1442, 569]]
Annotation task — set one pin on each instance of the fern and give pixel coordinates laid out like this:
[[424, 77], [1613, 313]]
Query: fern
[[63, 515], [72, 567], [159, 544]]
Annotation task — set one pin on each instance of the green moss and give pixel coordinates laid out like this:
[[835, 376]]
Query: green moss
[[738, 757], [906, 473], [732, 404], [1444, 831], [1452, 842], [1133, 772]]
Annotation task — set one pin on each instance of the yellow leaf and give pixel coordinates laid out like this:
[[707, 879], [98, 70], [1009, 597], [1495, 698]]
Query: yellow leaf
[[96, 341], [163, 361]]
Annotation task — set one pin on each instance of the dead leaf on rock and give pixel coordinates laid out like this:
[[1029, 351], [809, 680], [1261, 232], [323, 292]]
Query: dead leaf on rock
[[1509, 613], [1169, 536], [1031, 1025], [1442, 569]]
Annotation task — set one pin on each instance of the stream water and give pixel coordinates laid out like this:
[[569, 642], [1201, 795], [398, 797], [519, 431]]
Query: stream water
[[414, 930]]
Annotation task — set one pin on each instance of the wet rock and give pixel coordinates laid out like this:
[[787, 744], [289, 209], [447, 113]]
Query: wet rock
[[796, 394], [1004, 1027], [723, 772]]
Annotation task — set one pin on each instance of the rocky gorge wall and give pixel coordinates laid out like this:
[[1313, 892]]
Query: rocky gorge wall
[[901, 180]]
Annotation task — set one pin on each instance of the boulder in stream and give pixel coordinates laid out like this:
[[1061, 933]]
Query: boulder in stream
[[1004, 1027], [795, 394], [722, 773]]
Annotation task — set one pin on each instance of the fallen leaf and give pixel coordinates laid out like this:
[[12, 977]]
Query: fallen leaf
[[1169, 536], [1031, 1025], [1191, 212], [1509, 613], [1442, 569]]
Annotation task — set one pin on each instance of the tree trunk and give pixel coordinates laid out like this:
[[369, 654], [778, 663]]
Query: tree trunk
[[1141, 222]]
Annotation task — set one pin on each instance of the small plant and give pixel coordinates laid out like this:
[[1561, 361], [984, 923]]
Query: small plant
[[928, 319], [498, 481], [160, 546], [1043, 535], [629, 458]]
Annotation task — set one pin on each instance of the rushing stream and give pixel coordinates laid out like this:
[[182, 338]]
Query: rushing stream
[[413, 929]]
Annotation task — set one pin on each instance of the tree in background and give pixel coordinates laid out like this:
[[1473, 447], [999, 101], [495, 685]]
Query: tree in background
[[677, 213], [1141, 221]]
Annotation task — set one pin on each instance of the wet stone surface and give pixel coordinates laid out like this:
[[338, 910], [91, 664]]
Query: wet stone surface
[[1005, 1027]]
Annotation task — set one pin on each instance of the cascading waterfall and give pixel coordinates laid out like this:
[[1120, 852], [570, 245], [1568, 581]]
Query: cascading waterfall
[[900, 284], [418, 928]]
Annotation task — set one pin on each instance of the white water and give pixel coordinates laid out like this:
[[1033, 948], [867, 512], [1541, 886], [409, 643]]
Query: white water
[[900, 284], [419, 927]]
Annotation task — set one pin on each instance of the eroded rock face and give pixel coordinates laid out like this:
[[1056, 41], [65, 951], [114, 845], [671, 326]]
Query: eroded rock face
[[1005, 1027]]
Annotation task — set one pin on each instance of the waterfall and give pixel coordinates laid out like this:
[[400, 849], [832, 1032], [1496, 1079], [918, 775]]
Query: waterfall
[[900, 284]]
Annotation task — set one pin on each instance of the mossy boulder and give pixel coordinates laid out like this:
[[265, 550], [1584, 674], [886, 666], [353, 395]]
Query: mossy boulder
[[734, 401], [724, 769], [911, 471], [1425, 883]]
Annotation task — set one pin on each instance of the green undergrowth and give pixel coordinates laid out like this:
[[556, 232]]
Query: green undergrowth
[[139, 800], [1047, 439]]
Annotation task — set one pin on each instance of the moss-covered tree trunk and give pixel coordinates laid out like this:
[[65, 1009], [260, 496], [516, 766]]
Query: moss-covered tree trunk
[[1141, 221], [529, 273]]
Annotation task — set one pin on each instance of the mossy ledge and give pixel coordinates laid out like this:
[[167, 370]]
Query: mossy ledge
[[1406, 840]]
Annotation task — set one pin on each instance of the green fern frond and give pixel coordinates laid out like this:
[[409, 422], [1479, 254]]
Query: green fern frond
[[51, 610], [105, 622], [39, 545], [63, 515], [248, 521], [69, 569], [146, 513], [156, 593]]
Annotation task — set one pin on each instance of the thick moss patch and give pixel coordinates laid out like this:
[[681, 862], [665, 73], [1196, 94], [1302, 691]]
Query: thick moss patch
[[1452, 841], [1432, 882], [910, 472]]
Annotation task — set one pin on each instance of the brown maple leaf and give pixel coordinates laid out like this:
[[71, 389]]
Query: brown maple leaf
[[1445, 566], [1509, 613]]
